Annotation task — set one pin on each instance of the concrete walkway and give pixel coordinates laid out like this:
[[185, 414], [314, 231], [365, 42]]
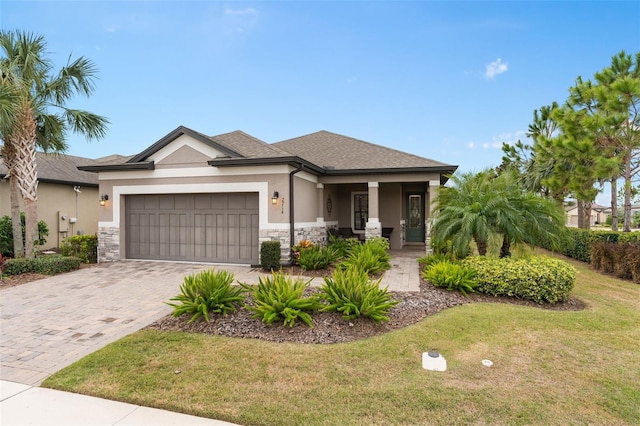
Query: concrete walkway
[[48, 324], [25, 405]]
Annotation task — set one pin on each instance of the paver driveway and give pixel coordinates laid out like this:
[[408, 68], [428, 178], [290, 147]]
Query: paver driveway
[[48, 324]]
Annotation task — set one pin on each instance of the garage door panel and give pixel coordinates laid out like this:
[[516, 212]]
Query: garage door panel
[[196, 227]]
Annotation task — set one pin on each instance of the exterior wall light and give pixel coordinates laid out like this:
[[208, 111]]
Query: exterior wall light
[[103, 199], [274, 198]]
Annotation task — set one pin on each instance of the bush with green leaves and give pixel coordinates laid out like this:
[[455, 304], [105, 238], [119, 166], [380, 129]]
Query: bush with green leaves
[[281, 298], [316, 257], [539, 278], [371, 257], [6, 234], [46, 265], [351, 292], [452, 276], [270, 255], [205, 292], [342, 246], [84, 247]]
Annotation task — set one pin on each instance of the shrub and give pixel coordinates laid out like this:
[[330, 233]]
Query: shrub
[[370, 257], [46, 265], [315, 257], [204, 292], [538, 278], [351, 292], [342, 246], [270, 255], [6, 234], [451, 276], [85, 247], [430, 259], [278, 297], [622, 260]]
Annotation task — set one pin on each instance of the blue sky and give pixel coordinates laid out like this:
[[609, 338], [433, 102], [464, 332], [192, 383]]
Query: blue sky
[[444, 80]]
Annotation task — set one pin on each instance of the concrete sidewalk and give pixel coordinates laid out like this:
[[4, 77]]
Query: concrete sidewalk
[[25, 405]]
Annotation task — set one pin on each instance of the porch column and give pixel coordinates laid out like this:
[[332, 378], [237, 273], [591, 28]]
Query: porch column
[[373, 227], [320, 210], [431, 207]]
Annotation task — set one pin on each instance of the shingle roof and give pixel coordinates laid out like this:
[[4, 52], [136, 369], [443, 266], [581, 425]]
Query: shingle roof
[[248, 146], [334, 151], [323, 152], [60, 168]]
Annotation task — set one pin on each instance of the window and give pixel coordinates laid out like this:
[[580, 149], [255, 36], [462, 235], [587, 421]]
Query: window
[[360, 210]]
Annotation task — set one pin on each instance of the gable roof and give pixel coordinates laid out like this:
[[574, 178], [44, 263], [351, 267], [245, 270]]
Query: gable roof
[[332, 151], [60, 168], [321, 152]]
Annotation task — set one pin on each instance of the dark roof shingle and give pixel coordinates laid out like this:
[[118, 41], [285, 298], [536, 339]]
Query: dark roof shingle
[[60, 168], [334, 151]]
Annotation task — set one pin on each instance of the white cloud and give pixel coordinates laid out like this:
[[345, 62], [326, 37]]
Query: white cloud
[[495, 68], [471, 145], [509, 137]]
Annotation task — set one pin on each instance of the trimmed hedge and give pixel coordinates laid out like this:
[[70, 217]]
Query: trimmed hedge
[[84, 247], [539, 278], [270, 255], [622, 260], [579, 241], [47, 265]]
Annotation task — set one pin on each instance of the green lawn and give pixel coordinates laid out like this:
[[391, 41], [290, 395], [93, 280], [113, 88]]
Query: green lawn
[[550, 367]]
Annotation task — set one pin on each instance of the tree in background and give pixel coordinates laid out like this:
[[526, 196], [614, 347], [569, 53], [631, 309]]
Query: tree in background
[[594, 137], [35, 113]]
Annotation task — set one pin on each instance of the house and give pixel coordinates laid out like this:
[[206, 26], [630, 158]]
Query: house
[[598, 215], [67, 197], [191, 197]]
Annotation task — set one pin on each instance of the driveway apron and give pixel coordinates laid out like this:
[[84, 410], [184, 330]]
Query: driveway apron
[[48, 324]]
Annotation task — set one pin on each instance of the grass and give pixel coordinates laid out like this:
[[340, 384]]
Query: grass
[[550, 367]]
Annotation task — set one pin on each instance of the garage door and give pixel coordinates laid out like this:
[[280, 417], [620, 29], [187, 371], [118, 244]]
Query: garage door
[[193, 227]]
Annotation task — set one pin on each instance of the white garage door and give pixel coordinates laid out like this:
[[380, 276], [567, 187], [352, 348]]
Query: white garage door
[[193, 227]]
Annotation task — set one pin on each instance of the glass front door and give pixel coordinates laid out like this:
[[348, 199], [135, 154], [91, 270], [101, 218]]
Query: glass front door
[[414, 218]]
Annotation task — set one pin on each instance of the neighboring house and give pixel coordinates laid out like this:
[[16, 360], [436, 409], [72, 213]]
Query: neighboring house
[[67, 197], [598, 215], [191, 197]]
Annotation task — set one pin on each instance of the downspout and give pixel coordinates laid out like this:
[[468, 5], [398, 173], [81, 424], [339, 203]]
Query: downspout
[[291, 213]]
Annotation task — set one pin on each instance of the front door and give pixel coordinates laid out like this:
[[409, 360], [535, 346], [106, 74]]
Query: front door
[[414, 222]]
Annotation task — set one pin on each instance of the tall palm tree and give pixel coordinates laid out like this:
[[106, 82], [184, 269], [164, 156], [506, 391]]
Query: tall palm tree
[[483, 208], [35, 114]]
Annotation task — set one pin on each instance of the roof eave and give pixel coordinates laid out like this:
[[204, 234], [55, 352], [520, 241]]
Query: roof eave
[[290, 161], [118, 167], [445, 171]]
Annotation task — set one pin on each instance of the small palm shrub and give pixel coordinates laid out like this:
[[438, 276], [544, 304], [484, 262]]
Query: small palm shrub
[[279, 297], [539, 278], [452, 276], [371, 257], [342, 246], [204, 292], [430, 259], [351, 292], [316, 257]]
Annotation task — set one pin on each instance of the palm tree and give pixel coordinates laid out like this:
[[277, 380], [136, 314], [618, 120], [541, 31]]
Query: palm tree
[[484, 207], [467, 210], [35, 114]]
